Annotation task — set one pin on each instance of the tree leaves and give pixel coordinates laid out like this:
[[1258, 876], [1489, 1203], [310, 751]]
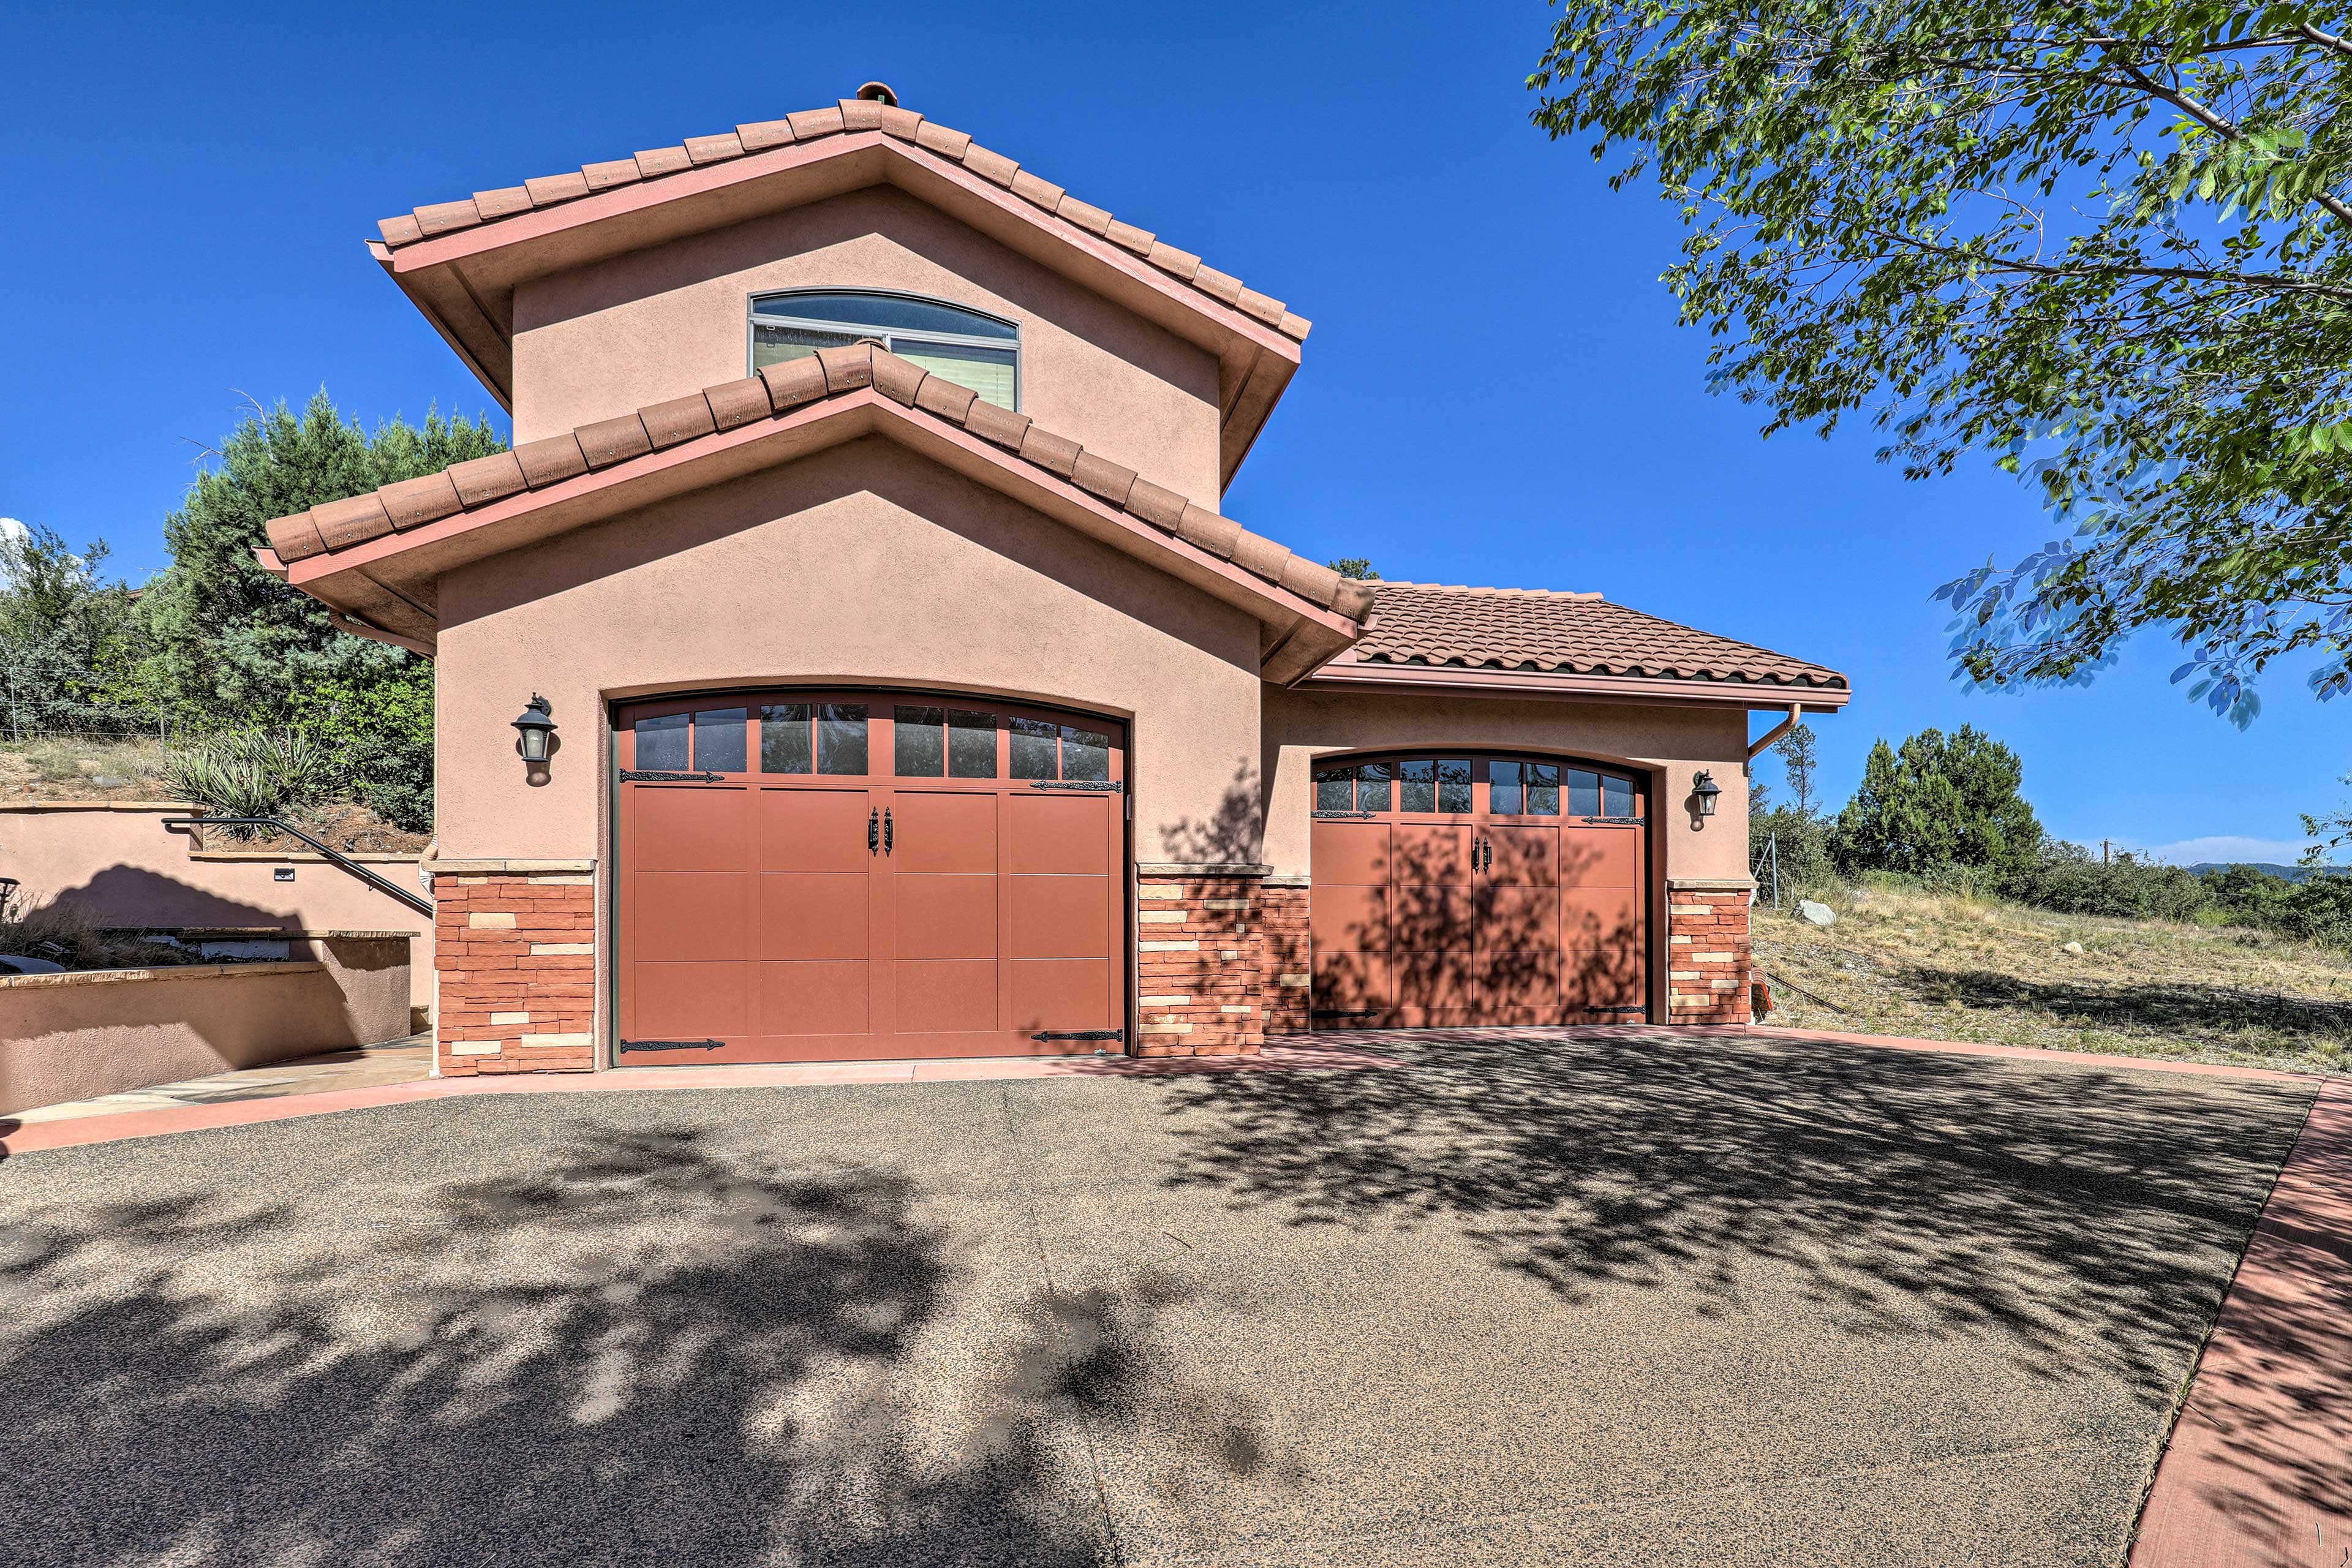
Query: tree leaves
[[2103, 246]]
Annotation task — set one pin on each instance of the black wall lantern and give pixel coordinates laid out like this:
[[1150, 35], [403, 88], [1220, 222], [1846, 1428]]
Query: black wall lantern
[[1704, 789], [536, 729]]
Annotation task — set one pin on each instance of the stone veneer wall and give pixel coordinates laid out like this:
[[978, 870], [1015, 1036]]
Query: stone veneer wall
[[1288, 959], [1707, 953], [516, 951], [1199, 960]]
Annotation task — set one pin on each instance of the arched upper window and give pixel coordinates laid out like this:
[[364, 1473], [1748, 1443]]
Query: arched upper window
[[981, 351]]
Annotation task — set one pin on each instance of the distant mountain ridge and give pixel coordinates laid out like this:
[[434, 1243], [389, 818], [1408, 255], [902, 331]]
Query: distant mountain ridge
[[2290, 873]]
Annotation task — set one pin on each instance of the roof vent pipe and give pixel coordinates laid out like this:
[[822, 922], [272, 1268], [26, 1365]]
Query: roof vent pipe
[[879, 93]]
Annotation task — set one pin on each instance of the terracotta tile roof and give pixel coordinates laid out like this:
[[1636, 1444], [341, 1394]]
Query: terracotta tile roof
[[774, 392], [1545, 631], [848, 117]]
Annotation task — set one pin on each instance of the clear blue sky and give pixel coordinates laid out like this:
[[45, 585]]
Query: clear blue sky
[[1496, 390]]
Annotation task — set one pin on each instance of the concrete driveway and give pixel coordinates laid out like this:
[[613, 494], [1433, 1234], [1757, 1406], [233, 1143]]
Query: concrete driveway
[[1637, 1300]]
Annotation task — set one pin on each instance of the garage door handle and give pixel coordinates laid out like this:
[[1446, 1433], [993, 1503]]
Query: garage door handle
[[889, 833], [872, 833]]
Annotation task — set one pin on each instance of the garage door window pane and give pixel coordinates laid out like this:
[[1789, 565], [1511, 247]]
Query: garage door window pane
[[1583, 792], [1372, 785], [784, 738], [1452, 784], [971, 745], [1086, 753], [1543, 788], [1335, 789], [1504, 798], [920, 743], [1033, 749], [1616, 796], [1420, 779], [841, 738], [661, 743], [718, 740]]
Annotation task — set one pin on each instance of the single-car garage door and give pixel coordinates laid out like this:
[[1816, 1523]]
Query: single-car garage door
[[823, 877], [1463, 889]]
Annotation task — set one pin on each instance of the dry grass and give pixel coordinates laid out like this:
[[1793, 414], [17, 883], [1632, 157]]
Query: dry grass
[[59, 768], [1944, 967]]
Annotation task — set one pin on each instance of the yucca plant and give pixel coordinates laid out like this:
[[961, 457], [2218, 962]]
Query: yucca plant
[[251, 772]]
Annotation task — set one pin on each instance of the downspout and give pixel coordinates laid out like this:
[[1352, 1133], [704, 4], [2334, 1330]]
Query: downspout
[[1758, 747]]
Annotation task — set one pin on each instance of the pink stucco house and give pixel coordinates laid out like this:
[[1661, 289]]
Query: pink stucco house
[[860, 571]]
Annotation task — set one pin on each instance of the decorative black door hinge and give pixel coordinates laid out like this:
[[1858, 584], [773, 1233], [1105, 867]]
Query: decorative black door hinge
[[1342, 816], [1092, 786], [1079, 1035], [1616, 1009], [645, 776], [671, 1045], [1616, 821]]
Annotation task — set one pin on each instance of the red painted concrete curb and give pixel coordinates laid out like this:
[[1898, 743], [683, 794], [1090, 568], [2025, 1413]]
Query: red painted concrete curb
[[23, 1138], [2259, 1471], [2016, 1053]]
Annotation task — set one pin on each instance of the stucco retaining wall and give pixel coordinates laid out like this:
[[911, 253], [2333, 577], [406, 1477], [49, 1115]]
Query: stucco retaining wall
[[116, 863], [76, 1036]]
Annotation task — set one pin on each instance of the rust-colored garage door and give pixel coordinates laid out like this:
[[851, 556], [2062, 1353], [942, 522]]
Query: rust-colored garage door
[[821, 877], [1462, 890]]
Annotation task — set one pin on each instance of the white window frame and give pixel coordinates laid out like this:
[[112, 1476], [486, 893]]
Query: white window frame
[[755, 317]]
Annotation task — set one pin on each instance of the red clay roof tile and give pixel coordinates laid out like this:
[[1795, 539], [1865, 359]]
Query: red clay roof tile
[[1101, 477], [606, 176], [761, 135], [811, 123], [994, 167], [737, 403], [610, 441], [549, 190], [898, 380], [412, 503], [849, 115], [775, 391], [552, 460], [481, 480], [1539, 630], [496, 205], [679, 419], [713, 149]]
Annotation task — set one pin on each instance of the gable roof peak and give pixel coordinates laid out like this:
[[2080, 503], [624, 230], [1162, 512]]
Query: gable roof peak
[[875, 110]]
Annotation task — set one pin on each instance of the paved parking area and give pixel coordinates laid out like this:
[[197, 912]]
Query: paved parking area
[[1633, 1300]]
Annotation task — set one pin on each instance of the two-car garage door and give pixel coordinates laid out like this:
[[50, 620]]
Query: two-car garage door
[[810, 877]]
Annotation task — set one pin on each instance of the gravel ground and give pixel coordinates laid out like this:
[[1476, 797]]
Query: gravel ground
[[1621, 1300]]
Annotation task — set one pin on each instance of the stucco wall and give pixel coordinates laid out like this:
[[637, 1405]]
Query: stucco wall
[[121, 867], [72, 1036], [861, 565], [1677, 741], [659, 324]]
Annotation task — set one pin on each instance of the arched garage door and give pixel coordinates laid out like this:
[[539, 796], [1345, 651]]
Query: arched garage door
[[1457, 889], [844, 876]]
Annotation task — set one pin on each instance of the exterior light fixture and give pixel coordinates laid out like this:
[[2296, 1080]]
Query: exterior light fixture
[[536, 729], [1704, 789]]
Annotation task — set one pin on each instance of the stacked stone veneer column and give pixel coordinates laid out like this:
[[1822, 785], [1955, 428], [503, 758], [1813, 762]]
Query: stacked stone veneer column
[[516, 952], [1707, 952], [1199, 960], [1288, 958]]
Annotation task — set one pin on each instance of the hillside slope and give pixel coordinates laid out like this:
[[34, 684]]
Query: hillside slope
[[1944, 967]]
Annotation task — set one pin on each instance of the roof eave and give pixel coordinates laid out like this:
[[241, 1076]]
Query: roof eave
[[388, 580], [1554, 685]]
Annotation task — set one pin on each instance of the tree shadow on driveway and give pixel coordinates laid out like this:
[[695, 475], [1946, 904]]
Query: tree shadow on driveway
[[643, 1350], [2084, 1218]]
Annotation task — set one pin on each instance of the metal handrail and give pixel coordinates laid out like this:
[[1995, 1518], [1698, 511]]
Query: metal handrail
[[422, 906]]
